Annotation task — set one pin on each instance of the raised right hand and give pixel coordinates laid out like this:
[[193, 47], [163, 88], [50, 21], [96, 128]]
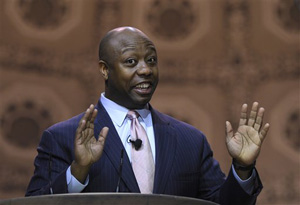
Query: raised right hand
[[87, 148]]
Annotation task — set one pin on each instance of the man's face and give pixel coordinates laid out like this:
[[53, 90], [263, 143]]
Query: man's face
[[133, 71]]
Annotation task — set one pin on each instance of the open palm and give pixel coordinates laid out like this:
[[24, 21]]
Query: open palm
[[244, 145], [88, 149]]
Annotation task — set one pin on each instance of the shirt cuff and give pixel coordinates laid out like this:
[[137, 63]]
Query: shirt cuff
[[74, 186], [248, 184]]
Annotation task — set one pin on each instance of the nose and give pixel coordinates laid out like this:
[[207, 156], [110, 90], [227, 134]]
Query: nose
[[144, 69]]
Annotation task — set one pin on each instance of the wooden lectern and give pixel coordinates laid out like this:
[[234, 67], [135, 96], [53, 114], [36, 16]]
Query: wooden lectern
[[105, 199]]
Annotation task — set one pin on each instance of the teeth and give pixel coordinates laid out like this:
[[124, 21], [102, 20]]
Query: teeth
[[143, 85]]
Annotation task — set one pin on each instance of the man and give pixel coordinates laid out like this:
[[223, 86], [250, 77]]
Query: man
[[83, 154]]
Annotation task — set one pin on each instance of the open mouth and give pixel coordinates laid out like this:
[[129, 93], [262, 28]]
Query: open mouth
[[143, 88]]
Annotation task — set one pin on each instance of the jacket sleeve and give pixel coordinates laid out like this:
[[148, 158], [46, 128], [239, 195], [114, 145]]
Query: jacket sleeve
[[225, 191], [53, 159], [232, 193]]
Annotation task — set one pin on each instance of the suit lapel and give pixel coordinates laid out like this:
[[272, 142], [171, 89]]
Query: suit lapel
[[165, 143], [113, 147]]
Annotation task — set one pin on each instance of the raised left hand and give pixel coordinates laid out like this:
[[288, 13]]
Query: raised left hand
[[244, 145]]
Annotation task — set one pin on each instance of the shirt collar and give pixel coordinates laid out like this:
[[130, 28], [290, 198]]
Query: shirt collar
[[118, 113]]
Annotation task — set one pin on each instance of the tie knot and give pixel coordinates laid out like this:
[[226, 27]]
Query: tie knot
[[132, 114]]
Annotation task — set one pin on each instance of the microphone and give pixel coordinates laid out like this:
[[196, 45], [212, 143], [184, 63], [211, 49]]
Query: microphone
[[136, 143], [120, 171], [49, 172]]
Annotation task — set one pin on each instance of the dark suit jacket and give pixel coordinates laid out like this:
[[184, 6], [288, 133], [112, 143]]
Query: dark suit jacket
[[184, 162]]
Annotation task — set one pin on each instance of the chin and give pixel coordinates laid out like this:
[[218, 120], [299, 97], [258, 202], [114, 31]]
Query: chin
[[141, 104]]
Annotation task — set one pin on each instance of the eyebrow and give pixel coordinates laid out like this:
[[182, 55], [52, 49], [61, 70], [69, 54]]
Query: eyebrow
[[152, 47]]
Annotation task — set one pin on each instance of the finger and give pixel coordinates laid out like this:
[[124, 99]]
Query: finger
[[103, 134], [253, 114], [259, 119], [79, 129], [264, 131], [243, 117], [229, 131], [91, 111], [82, 124], [86, 115], [94, 115]]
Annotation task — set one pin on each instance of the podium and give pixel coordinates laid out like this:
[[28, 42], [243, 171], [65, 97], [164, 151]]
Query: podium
[[105, 199]]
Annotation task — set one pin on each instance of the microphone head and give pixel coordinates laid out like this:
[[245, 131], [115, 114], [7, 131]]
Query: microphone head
[[136, 143]]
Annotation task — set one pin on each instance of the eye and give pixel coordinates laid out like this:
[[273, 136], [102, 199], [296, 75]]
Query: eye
[[130, 61], [152, 60]]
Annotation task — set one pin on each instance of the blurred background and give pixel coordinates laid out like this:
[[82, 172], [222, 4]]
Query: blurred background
[[214, 55]]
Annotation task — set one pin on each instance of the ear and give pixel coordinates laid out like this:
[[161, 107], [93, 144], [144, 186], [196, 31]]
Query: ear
[[103, 69]]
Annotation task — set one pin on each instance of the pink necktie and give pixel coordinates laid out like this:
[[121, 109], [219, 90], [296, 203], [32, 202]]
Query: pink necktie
[[142, 159]]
